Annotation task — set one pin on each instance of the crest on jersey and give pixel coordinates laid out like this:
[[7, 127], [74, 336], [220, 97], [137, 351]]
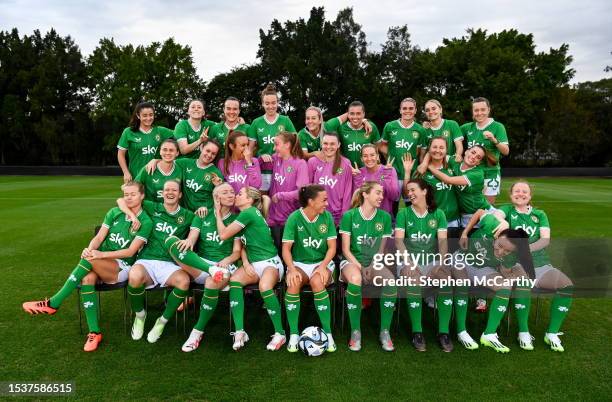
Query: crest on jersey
[[339, 171], [157, 137], [281, 127], [445, 133], [415, 134], [534, 218], [289, 169], [323, 228], [378, 226], [432, 223], [180, 220]]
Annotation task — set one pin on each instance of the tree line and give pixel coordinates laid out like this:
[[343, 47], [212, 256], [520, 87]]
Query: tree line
[[59, 107]]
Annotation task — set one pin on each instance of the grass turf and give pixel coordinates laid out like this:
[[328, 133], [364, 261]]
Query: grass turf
[[46, 221]]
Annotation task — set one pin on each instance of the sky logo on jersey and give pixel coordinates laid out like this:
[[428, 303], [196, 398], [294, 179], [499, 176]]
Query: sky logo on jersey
[[365, 240], [237, 178], [328, 181], [279, 178], [214, 236], [528, 229], [193, 185], [159, 195], [268, 140], [309, 242], [353, 147], [420, 237], [149, 150], [403, 144], [118, 239], [443, 186], [165, 228]]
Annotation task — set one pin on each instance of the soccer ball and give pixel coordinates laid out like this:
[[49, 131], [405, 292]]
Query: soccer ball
[[313, 341]]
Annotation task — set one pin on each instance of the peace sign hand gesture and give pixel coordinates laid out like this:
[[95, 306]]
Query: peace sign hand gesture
[[355, 169]]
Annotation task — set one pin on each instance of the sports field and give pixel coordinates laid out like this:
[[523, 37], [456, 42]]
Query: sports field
[[46, 222]]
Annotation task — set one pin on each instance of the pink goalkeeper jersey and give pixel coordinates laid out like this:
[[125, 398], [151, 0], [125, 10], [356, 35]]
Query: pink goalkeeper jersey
[[240, 175], [287, 177], [339, 186], [387, 177]]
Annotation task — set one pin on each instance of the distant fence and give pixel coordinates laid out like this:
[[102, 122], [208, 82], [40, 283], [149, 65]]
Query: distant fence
[[115, 171]]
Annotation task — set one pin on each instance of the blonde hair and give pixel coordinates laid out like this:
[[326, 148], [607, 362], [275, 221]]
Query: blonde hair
[[435, 102], [365, 188], [260, 201], [134, 183]]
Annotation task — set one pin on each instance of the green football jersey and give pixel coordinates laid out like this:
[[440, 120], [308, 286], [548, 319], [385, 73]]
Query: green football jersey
[[470, 196], [264, 132], [352, 140], [531, 222], [421, 231], [450, 130], [481, 242], [142, 147], [256, 235], [184, 131], [197, 183], [402, 140], [120, 233], [154, 183], [366, 234], [309, 238], [210, 246], [444, 194], [474, 135], [165, 224], [220, 131], [311, 143]]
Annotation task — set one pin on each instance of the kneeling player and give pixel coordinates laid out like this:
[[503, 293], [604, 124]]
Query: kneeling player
[[107, 258], [309, 245]]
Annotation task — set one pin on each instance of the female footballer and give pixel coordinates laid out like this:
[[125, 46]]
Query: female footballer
[[364, 230], [354, 133], [263, 130], [445, 128], [315, 126], [231, 122], [491, 135], [239, 167], [521, 215], [309, 245], [373, 170], [107, 258], [192, 132], [140, 141], [333, 172], [260, 263]]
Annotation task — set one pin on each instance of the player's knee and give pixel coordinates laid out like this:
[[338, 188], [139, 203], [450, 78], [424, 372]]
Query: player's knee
[[89, 279], [354, 278], [182, 281], [136, 276], [316, 283], [294, 289]]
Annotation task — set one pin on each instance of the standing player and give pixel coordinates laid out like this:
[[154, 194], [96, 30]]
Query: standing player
[[403, 136], [200, 176], [521, 215], [354, 134], [239, 167], [191, 133], [162, 171], [107, 258], [333, 172], [491, 135], [290, 173], [373, 170], [232, 122], [447, 129], [421, 230], [497, 249], [364, 230], [213, 262], [309, 245], [140, 141], [155, 265], [263, 130], [260, 263]]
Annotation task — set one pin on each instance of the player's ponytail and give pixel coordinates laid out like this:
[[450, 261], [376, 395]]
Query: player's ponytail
[[309, 192], [365, 188], [520, 239], [260, 201]]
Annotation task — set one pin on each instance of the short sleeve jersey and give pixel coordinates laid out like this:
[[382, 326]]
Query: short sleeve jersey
[[165, 224], [402, 140], [309, 238], [449, 130], [184, 132], [197, 183], [210, 245], [470, 196], [421, 231], [352, 140], [311, 143], [531, 222], [366, 234], [154, 183], [256, 235], [120, 233], [264, 132], [142, 147], [475, 136]]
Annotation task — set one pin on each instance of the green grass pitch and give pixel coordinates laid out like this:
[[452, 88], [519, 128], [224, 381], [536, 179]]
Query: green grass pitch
[[46, 222]]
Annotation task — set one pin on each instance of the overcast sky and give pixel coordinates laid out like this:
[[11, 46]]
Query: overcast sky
[[226, 35]]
